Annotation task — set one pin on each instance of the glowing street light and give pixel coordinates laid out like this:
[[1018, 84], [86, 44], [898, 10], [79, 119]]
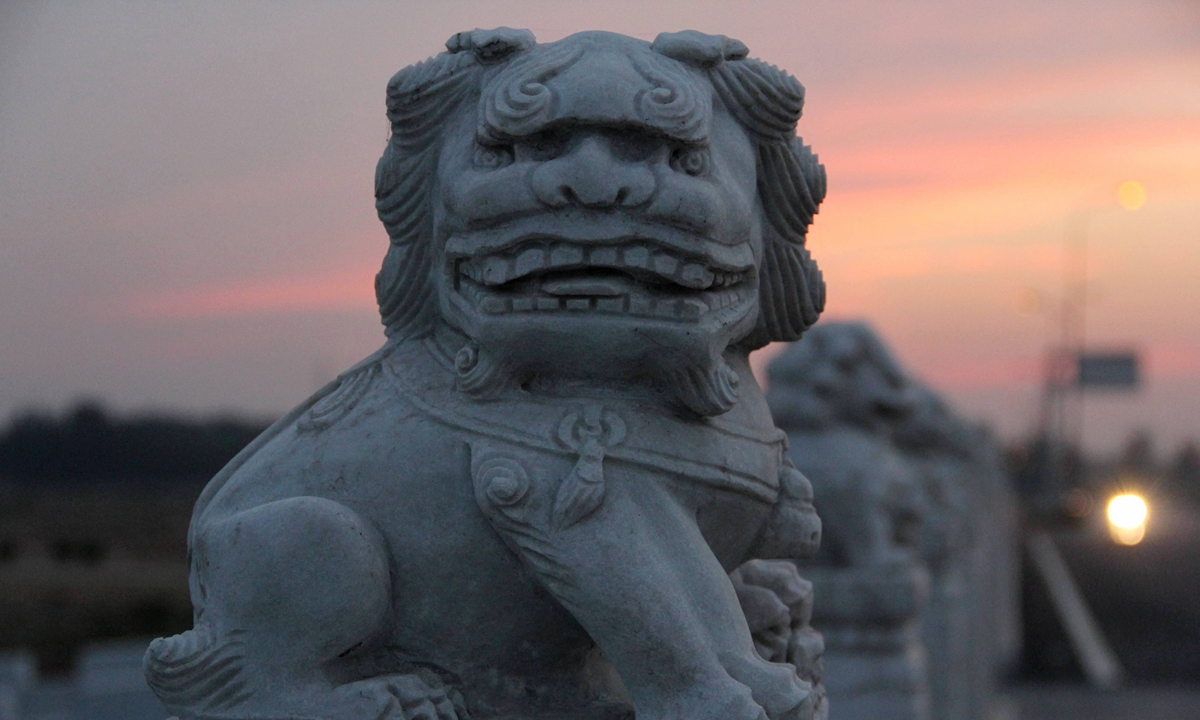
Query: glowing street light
[[1127, 515], [1131, 195]]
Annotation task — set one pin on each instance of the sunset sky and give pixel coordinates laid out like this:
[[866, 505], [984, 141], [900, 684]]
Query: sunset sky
[[187, 220]]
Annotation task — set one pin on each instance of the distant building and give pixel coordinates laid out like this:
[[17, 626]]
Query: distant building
[[107, 684], [79, 564]]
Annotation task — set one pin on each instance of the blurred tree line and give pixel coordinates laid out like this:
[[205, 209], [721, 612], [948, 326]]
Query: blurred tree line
[[87, 444], [1138, 465]]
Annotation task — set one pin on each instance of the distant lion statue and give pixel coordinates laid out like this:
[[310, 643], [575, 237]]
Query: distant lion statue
[[528, 503]]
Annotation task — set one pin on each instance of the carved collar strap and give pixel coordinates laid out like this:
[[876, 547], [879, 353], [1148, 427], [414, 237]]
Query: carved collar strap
[[712, 451]]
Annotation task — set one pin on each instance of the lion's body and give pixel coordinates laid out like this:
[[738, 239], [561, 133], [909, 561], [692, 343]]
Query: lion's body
[[449, 573]]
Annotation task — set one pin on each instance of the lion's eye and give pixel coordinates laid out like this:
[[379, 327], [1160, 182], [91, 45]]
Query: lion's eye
[[493, 157], [691, 160], [634, 147], [545, 145]]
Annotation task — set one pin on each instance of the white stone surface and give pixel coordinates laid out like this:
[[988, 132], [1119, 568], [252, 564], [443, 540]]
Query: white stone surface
[[528, 502]]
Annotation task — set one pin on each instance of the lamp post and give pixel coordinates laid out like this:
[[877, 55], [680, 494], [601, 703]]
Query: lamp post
[[1062, 398]]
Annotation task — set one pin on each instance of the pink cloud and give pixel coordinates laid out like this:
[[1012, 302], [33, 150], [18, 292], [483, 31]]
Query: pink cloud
[[346, 289], [1173, 361]]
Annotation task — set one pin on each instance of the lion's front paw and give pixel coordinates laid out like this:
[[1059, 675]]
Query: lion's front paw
[[421, 696], [778, 605]]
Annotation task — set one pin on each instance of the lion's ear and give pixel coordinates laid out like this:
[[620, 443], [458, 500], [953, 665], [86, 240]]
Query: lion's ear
[[765, 100], [420, 100], [420, 97]]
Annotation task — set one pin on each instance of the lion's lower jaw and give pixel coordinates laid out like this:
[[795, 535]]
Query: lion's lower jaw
[[706, 386]]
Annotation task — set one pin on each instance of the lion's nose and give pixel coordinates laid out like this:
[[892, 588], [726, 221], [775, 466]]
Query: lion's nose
[[590, 176]]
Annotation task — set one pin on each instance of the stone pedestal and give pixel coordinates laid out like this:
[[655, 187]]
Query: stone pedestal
[[948, 631], [875, 663]]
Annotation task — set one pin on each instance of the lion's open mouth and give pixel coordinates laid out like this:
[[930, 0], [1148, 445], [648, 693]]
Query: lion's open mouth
[[632, 278]]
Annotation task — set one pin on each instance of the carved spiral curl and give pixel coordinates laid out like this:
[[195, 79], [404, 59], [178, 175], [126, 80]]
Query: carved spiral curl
[[768, 102], [675, 100], [792, 185], [706, 390], [791, 296], [197, 671], [504, 481], [518, 101]]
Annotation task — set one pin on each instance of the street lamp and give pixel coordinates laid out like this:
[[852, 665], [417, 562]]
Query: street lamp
[[1062, 400]]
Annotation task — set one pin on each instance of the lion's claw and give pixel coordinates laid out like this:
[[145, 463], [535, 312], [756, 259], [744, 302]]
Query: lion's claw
[[426, 699], [420, 696]]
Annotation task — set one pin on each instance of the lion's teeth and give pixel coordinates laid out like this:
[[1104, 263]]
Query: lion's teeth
[[495, 271], [665, 308], [530, 260], [637, 256], [611, 304], [634, 304], [691, 308], [606, 293], [603, 257], [566, 255], [492, 304], [696, 276], [665, 264]]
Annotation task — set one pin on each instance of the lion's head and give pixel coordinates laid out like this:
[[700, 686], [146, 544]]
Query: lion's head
[[598, 209], [841, 373]]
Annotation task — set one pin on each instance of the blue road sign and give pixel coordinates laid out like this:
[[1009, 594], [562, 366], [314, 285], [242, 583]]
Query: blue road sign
[[1111, 370]]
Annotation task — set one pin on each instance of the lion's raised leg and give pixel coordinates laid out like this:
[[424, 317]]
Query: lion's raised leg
[[285, 589], [640, 578]]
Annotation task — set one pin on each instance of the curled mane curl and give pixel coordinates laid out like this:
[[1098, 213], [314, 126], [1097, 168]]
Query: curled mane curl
[[767, 102]]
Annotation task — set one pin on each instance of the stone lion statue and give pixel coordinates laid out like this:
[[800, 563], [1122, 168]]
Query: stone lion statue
[[922, 527], [528, 502], [839, 393]]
